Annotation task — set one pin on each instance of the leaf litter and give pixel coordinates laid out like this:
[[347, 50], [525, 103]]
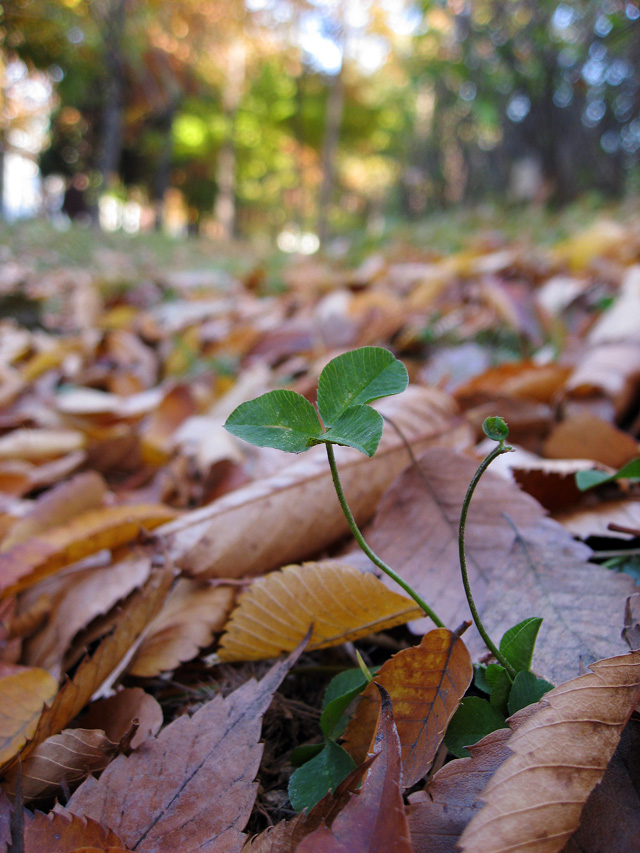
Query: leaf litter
[[116, 477]]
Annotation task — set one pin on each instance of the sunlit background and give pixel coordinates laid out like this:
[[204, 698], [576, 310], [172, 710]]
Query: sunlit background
[[297, 120]]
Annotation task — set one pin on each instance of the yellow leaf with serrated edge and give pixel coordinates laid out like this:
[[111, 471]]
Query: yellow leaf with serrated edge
[[341, 603]]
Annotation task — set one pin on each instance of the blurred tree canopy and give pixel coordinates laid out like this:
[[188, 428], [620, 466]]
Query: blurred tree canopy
[[336, 112]]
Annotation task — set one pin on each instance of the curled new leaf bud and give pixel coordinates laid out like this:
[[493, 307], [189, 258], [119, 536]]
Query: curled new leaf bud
[[496, 429]]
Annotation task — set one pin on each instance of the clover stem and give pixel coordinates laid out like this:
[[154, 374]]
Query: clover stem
[[497, 451], [353, 527]]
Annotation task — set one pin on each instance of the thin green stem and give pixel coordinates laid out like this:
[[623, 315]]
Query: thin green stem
[[497, 451], [353, 527]]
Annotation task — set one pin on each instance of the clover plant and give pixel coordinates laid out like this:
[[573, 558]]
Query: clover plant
[[288, 421]]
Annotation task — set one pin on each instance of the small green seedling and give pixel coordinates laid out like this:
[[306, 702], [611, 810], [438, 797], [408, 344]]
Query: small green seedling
[[322, 766], [590, 479], [287, 421]]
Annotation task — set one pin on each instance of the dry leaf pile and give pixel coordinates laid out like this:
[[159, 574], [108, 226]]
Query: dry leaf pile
[[150, 563]]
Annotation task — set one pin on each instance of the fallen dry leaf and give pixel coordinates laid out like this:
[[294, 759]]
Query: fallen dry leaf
[[610, 819], [294, 514], [340, 602], [62, 503], [585, 436], [86, 534], [425, 684], [136, 614], [58, 765], [520, 563], [560, 753], [193, 784], [115, 715], [594, 520], [76, 599], [23, 694], [192, 613], [439, 813], [608, 370], [374, 820], [38, 445], [63, 832]]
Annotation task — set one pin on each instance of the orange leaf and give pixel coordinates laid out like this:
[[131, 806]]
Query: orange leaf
[[426, 684], [341, 603], [23, 693], [88, 533], [560, 753], [63, 832]]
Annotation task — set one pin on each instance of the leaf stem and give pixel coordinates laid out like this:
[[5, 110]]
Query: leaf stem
[[497, 451], [353, 527]]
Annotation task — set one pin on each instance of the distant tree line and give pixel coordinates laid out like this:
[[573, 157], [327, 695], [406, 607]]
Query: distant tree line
[[287, 111]]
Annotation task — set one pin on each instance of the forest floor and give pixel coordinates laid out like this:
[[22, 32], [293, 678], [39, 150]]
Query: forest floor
[[142, 593]]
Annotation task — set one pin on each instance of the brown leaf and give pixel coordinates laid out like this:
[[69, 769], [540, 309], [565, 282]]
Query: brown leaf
[[76, 599], [520, 563], [192, 613], [520, 380], [23, 693], [60, 763], [138, 611], [56, 507], [63, 832], [426, 684], [295, 514], [115, 715], [194, 783], [341, 603], [594, 520], [38, 445], [86, 534], [611, 818], [438, 814], [585, 436], [560, 753], [374, 820], [608, 370]]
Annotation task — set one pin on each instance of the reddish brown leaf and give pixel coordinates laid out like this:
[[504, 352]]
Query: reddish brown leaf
[[520, 563], [116, 714], [374, 820], [585, 436], [194, 784], [560, 753], [63, 832], [425, 684]]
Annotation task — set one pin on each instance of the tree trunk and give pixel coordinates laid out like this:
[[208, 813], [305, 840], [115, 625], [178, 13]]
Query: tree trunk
[[110, 140], [335, 107], [225, 205], [163, 166]]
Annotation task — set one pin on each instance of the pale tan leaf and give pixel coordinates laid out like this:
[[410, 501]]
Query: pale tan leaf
[[620, 321], [23, 694], [84, 492], [86, 534], [609, 370], [76, 599], [341, 603], [194, 784], [136, 614], [37, 445], [192, 613], [560, 753], [294, 514], [594, 520], [520, 563]]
